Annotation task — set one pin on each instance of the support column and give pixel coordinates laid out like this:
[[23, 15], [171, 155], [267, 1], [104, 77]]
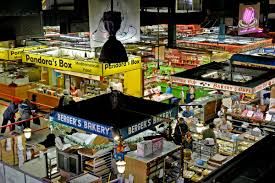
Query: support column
[[172, 30]]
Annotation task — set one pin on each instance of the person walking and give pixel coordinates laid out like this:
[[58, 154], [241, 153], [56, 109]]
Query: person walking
[[9, 115], [34, 110], [25, 112], [180, 131]]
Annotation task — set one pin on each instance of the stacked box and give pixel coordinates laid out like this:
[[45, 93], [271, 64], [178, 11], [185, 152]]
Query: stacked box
[[7, 156], [15, 146]]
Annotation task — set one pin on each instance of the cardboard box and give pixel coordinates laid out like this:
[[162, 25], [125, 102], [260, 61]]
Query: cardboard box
[[7, 156], [144, 148], [15, 147]]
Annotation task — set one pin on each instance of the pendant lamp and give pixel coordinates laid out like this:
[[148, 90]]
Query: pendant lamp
[[112, 51]]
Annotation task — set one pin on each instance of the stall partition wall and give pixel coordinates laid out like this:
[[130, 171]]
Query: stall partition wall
[[133, 83]]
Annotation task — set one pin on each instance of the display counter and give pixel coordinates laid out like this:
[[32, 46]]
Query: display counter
[[205, 158], [145, 168], [42, 98], [8, 92], [210, 106]]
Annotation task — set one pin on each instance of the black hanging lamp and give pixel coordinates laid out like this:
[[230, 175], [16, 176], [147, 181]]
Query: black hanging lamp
[[112, 51]]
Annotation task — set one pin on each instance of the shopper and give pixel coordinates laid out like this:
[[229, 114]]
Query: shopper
[[75, 91], [169, 89], [9, 115], [224, 125], [180, 130], [34, 110], [209, 133], [25, 112], [187, 113], [223, 111], [66, 99], [190, 95], [188, 141]]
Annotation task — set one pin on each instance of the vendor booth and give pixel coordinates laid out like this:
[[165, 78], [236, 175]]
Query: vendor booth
[[115, 116], [244, 90], [231, 44], [62, 68]]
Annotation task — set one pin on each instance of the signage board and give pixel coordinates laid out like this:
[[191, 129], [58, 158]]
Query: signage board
[[91, 67], [114, 68], [82, 124], [88, 67], [225, 87], [16, 53], [147, 123], [217, 86], [248, 18]]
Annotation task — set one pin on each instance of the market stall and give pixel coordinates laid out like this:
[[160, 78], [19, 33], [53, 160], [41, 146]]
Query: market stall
[[231, 44], [16, 79], [64, 68], [110, 116], [244, 90]]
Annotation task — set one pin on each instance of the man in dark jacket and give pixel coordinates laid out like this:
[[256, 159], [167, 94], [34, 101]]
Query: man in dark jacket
[[9, 115], [180, 131]]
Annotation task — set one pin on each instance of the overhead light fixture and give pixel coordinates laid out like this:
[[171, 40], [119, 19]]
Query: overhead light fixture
[[112, 51], [27, 133], [209, 74], [121, 166]]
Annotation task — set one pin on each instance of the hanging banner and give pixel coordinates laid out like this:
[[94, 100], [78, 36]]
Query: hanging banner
[[16, 53], [88, 67], [82, 124], [129, 28], [132, 64], [248, 18]]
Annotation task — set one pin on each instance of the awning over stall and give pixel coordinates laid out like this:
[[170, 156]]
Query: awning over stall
[[222, 76], [114, 113], [250, 60]]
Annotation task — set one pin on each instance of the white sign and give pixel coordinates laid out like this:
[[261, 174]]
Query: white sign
[[129, 31], [217, 86], [225, 87], [264, 85]]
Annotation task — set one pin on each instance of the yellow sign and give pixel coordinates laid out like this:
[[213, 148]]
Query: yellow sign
[[88, 67], [132, 64], [16, 53], [4, 54]]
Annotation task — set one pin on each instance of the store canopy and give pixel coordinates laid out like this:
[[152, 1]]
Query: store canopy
[[260, 61], [111, 114], [220, 76]]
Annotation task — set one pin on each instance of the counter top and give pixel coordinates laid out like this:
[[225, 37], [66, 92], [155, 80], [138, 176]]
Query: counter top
[[168, 147]]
